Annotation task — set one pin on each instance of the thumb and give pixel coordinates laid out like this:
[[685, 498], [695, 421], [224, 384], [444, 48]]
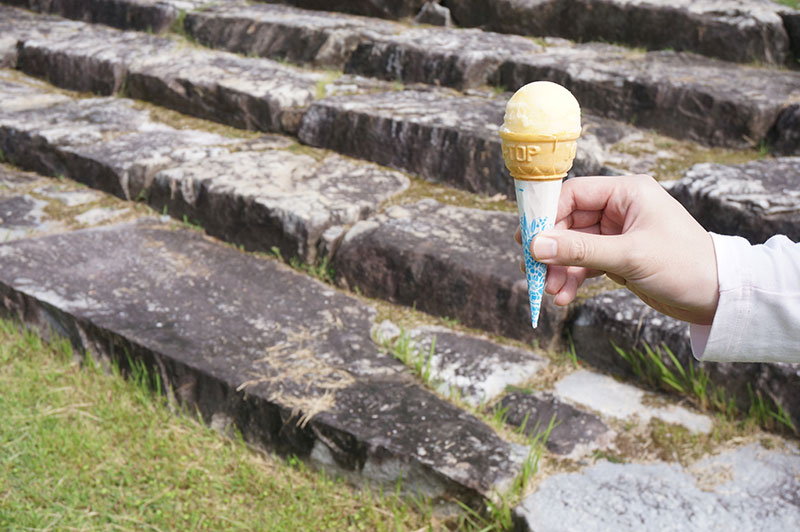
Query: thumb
[[573, 248]]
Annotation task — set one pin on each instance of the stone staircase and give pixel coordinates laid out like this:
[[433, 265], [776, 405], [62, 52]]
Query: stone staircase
[[364, 151]]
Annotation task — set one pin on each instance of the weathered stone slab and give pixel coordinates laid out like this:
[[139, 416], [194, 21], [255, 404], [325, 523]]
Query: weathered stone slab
[[434, 14], [372, 8], [575, 433], [284, 32], [733, 30], [20, 93], [32, 206], [102, 142], [784, 139], [248, 93], [142, 15], [755, 200], [437, 134], [620, 317], [624, 401], [791, 20], [274, 198], [474, 369], [247, 342], [17, 25], [21, 215], [750, 488], [90, 58], [244, 92], [467, 257], [686, 96], [449, 57]]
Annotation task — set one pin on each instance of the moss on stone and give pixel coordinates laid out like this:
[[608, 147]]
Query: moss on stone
[[666, 158], [301, 149], [178, 120], [420, 189]]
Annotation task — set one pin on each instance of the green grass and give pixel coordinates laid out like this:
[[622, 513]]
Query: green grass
[[663, 371], [320, 270], [406, 351], [84, 450], [791, 3]]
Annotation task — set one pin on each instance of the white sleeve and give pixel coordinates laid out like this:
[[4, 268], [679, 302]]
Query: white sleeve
[[758, 315]]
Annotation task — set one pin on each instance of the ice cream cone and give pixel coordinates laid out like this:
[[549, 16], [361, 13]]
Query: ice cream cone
[[539, 139]]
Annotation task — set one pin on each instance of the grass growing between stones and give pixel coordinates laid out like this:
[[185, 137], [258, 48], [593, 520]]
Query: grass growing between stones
[[83, 450], [667, 158], [182, 121], [663, 371], [497, 514], [420, 189]]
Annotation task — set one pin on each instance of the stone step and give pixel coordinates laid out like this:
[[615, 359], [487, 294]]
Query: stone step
[[680, 94], [755, 200], [33, 206], [259, 193], [749, 489], [252, 345], [142, 15], [734, 30]]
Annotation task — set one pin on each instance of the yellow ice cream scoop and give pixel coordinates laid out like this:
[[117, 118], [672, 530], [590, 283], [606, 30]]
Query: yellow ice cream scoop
[[540, 132]]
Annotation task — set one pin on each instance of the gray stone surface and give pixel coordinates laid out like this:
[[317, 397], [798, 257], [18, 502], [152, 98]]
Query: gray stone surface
[[274, 198], [750, 489], [371, 8], [284, 32], [33, 206], [625, 402], [755, 200], [102, 142], [575, 432], [90, 58], [733, 30], [434, 14], [784, 139], [466, 257], [477, 369], [21, 93], [142, 15], [457, 58], [791, 20], [246, 341], [248, 93], [21, 215], [439, 135], [683, 95]]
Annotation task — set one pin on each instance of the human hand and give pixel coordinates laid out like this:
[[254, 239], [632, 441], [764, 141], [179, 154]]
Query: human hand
[[632, 230]]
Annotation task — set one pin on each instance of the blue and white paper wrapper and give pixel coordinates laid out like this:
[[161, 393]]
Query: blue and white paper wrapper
[[537, 203]]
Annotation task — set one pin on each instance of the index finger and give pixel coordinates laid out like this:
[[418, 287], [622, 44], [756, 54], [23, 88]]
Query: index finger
[[584, 199]]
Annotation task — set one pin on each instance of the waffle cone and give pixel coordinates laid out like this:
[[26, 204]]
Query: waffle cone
[[538, 157]]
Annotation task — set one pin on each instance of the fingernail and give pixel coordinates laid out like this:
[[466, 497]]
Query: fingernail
[[544, 248]]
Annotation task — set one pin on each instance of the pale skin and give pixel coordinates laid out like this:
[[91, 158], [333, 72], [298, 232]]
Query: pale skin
[[632, 230]]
